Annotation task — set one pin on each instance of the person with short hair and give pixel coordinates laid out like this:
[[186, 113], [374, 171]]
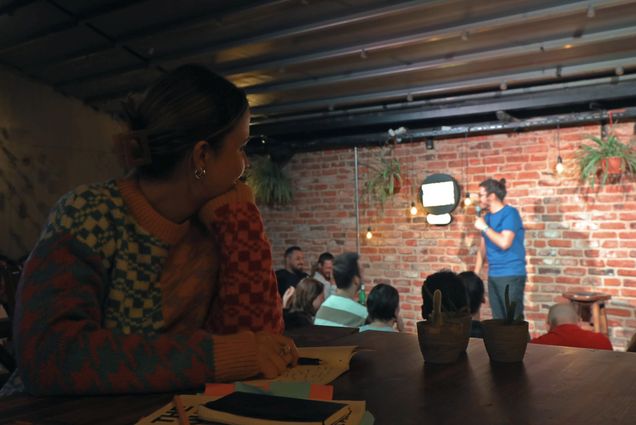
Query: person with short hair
[[160, 281], [383, 306], [342, 309], [565, 331], [307, 299], [324, 273], [475, 288], [293, 272], [454, 295], [503, 246]]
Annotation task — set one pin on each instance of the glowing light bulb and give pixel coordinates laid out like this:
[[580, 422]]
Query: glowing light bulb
[[413, 209], [369, 234], [467, 200], [559, 166]]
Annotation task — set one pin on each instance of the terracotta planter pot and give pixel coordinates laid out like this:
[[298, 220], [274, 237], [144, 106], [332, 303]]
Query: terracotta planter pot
[[612, 165], [465, 322], [441, 344], [396, 185], [505, 343]]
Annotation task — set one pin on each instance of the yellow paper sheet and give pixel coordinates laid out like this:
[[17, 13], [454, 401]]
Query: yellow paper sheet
[[168, 415], [334, 362]]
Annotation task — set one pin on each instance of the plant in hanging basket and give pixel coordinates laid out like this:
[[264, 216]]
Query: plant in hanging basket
[[269, 182], [385, 180], [506, 339], [606, 158], [445, 335]]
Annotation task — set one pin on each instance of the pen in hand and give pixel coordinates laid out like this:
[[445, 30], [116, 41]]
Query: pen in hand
[[182, 415]]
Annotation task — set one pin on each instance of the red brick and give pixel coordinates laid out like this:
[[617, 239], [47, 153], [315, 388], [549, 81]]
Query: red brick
[[560, 243]]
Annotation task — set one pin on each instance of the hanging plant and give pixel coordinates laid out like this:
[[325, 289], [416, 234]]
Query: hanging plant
[[385, 179], [607, 157], [269, 182]]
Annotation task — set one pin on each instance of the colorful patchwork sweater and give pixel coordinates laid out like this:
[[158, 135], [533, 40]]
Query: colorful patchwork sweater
[[117, 299]]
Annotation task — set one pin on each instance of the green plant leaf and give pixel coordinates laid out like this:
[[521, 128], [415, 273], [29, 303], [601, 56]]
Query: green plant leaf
[[590, 158], [269, 182]]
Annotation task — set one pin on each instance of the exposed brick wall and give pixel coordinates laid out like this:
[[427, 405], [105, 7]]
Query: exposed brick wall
[[576, 238]]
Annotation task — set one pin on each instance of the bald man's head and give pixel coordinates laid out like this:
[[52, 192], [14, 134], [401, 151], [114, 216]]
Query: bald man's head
[[561, 314]]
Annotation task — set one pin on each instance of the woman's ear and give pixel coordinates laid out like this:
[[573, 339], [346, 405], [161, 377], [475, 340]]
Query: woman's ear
[[200, 153]]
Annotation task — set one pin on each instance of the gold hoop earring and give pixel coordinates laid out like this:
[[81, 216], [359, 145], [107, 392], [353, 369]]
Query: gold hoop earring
[[199, 173]]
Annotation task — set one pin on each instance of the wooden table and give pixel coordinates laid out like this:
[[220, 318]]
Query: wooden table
[[554, 385]]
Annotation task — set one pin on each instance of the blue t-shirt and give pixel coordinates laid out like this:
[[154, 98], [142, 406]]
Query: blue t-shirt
[[512, 261]]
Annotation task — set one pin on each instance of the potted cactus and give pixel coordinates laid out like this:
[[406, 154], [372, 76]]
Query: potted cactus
[[506, 339], [444, 336]]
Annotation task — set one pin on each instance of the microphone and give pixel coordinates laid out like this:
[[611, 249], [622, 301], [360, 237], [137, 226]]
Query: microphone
[[478, 211]]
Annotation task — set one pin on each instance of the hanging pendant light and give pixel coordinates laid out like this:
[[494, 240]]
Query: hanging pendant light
[[559, 165], [413, 209], [369, 233]]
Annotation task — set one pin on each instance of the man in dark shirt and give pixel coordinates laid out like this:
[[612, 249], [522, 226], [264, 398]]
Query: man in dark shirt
[[293, 271]]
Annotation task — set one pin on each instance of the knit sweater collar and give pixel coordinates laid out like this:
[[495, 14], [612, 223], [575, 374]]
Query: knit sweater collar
[[150, 219]]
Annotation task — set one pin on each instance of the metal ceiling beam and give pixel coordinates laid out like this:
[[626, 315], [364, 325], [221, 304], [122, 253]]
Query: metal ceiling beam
[[75, 21], [380, 110], [334, 53], [493, 80], [250, 38], [419, 37], [141, 58], [479, 56], [598, 90], [12, 7], [457, 30], [392, 96], [158, 29], [306, 144]]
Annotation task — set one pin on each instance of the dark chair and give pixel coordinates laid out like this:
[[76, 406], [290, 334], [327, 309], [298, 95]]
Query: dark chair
[[9, 277]]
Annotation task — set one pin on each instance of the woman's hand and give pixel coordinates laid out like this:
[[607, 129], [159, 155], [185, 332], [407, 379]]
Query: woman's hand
[[274, 354]]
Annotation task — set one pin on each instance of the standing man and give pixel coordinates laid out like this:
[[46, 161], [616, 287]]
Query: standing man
[[323, 273], [502, 245], [293, 271]]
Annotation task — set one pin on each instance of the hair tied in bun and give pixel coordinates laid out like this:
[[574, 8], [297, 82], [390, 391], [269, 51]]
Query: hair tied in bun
[[133, 149]]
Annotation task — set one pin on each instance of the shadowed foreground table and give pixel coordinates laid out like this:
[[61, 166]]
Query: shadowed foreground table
[[554, 385]]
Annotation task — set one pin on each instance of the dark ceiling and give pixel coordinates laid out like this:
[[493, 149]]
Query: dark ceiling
[[331, 73]]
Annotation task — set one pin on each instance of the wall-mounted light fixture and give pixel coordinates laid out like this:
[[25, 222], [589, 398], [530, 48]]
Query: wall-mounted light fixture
[[467, 200], [430, 145], [559, 164]]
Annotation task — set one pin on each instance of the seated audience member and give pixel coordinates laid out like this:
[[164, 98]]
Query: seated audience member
[[631, 347], [323, 273], [342, 309], [565, 331], [475, 287], [383, 306], [305, 302], [160, 281], [293, 271], [454, 294]]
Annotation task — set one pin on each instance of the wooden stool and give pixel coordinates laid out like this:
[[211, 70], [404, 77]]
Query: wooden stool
[[590, 307]]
